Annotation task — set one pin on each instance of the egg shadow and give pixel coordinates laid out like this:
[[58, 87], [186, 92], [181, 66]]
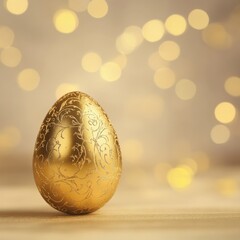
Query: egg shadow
[[38, 214], [25, 213]]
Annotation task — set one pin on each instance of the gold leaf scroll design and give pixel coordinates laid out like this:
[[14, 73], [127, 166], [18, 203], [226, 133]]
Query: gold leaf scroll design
[[69, 109], [103, 153]]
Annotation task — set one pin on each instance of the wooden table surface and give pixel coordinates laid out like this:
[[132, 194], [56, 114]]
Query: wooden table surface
[[131, 214]]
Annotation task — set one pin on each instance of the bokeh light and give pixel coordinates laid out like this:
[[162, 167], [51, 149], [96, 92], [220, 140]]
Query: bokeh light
[[153, 30], [6, 37], [198, 19], [78, 5], [185, 89], [28, 79], [11, 56], [232, 86], [180, 177], [65, 21], [129, 40], [176, 24], [132, 150], [216, 36], [10, 137], [16, 7], [110, 71], [220, 134], [232, 22], [97, 8], [169, 50], [91, 62], [164, 78], [191, 163], [64, 88], [225, 112], [227, 186], [155, 61]]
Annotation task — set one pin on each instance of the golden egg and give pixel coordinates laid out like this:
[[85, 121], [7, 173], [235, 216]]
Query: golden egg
[[77, 160]]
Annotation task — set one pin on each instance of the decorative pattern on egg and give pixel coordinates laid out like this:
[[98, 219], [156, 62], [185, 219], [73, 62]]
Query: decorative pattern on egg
[[77, 160]]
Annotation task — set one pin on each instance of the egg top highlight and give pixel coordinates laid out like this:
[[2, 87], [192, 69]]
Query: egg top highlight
[[77, 160]]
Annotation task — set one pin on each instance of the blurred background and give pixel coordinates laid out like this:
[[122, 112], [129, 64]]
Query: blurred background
[[166, 72]]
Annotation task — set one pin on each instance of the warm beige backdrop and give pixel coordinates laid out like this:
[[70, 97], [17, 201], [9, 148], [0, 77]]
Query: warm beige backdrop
[[161, 83]]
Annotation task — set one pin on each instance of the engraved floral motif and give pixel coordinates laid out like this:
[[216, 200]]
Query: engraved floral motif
[[77, 159]]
